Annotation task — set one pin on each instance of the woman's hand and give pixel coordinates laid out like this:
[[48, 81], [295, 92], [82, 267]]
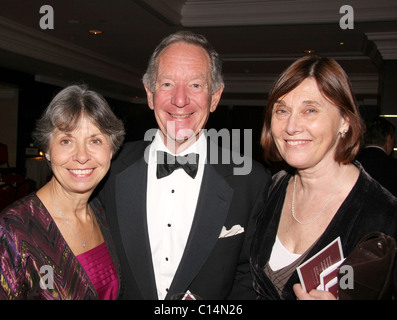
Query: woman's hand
[[313, 294]]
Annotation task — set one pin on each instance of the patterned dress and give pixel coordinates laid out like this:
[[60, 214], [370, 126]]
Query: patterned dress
[[35, 260]]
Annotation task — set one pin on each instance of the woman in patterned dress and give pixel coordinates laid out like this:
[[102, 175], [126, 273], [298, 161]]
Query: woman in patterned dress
[[55, 243]]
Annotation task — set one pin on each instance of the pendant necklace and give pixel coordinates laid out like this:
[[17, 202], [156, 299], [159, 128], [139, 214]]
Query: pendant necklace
[[322, 209], [83, 243]]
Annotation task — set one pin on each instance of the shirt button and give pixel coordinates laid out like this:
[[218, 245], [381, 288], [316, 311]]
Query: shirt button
[[166, 259], [172, 191], [169, 225]]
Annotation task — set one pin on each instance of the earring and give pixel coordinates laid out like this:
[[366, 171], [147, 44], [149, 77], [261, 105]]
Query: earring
[[47, 156], [343, 134]]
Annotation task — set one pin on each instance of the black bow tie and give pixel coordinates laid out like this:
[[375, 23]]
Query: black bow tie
[[167, 163]]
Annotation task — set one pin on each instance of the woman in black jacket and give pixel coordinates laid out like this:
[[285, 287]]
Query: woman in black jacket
[[313, 123]]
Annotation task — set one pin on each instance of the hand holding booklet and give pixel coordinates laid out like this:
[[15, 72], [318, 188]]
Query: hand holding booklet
[[321, 271]]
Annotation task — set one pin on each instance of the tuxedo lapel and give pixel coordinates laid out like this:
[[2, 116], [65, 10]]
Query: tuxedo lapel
[[131, 210], [211, 212]]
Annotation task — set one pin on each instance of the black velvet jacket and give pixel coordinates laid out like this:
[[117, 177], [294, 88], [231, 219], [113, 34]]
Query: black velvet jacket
[[368, 207]]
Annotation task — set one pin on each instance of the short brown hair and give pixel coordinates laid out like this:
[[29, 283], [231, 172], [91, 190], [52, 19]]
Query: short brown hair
[[335, 85]]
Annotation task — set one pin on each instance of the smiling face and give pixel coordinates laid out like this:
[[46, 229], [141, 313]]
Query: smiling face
[[81, 158], [182, 100], [306, 126]]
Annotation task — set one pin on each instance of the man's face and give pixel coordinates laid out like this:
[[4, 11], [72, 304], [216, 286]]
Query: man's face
[[182, 100]]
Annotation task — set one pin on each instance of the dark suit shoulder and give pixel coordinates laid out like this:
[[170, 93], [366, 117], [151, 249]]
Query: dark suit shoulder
[[129, 153], [258, 168], [229, 162], [380, 166], [250, 177], [254, 169], [132, 149]]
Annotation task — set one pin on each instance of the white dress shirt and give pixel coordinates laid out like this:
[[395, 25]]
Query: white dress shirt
[[171, 204]]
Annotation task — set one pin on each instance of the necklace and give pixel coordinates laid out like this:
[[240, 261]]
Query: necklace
[[83, 243], [324, 206]]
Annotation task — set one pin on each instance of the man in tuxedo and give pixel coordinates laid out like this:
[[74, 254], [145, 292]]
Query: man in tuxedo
[[376, 156], [182, 220]]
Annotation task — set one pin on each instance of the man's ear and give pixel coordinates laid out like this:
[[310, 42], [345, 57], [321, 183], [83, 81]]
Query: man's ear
[[149, 95], [215, 98]]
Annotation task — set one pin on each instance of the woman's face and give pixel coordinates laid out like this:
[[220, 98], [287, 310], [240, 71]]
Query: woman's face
[[81, 158], [306, 126]]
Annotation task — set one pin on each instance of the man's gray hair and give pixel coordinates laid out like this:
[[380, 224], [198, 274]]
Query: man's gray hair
[[149, 78]]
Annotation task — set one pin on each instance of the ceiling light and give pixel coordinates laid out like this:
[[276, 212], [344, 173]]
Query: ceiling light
[[95, 31], [310, 51]]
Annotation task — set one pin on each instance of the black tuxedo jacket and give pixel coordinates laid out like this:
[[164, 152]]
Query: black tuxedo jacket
[[380, 166], [211, 267]]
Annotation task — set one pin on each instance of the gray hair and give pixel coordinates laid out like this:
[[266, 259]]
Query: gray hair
[[149, 78], [66, 109]]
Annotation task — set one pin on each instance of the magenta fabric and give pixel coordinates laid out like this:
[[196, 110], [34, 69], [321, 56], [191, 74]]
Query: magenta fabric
[[99, 267]]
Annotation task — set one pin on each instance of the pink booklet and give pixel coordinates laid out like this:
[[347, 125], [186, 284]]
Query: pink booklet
[[320, 271]]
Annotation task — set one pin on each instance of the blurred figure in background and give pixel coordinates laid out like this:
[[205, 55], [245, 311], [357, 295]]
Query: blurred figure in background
[[376, 156]]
